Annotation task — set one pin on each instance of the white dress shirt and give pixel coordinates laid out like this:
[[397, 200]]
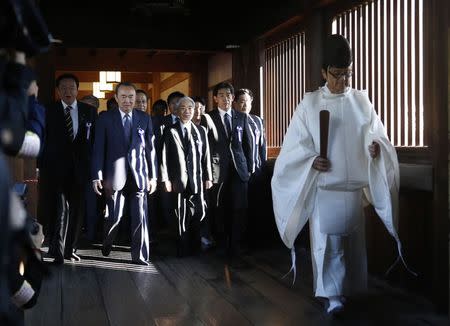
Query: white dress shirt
[[188, 127], [122, 115], [174, 118], [222, 116]]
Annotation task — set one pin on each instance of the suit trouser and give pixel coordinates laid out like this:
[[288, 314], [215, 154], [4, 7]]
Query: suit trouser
[[159, 209], [205, 224], [45, 205], [256, 206], [230, 211], [66, 226], [189, 210], [92, 215], [137, 201], [167, 200]]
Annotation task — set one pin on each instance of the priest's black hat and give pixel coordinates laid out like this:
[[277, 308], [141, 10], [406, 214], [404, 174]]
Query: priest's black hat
[[337, 52]]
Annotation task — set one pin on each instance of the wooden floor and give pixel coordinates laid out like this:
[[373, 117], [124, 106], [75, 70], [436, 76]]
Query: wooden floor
[[203, 290]]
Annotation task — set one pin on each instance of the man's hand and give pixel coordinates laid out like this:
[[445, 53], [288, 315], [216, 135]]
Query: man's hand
[[168, 186], [33, 89], [208, 184], [19, 57], [374, 149], [151, 186], [97, 185], [321, 164]]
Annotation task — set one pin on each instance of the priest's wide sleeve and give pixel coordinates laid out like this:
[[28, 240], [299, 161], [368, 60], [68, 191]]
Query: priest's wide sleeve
[[294, 181]]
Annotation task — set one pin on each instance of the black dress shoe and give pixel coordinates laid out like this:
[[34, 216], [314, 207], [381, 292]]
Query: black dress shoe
[[47, 255], [50, 253], [58, 261], [73, 257], [106, 250], [140, 262]]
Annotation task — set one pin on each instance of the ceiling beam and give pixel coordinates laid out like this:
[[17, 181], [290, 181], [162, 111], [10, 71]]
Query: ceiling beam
[[93, 76], [79, 59], [174, 80]]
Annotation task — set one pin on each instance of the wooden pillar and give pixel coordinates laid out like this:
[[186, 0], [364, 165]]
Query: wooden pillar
[[315, 33], [436, 97], [246, 62], [198, 82], [156, 89]]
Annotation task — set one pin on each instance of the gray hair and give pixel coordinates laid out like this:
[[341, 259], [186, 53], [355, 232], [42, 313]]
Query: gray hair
[[92, 100], [184, 99]]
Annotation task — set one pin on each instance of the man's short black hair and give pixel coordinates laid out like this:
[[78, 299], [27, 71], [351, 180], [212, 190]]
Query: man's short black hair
[[242, 91], [174, 95], [142, 92], [67, 76], [223, 85], [199, 99]]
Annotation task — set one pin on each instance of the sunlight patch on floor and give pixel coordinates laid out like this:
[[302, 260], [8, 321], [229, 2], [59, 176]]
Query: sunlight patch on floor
[[117, 260]]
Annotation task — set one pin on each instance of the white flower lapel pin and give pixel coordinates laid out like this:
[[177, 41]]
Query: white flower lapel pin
[[141, 133], [239, 130], [88, 130]]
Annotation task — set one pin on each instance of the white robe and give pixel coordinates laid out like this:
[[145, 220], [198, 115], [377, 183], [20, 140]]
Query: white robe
[[339, 259]]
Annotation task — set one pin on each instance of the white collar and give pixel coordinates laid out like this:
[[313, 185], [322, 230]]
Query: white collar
[[327, 93], [122, 114], [223, 112], [187, 125], [74, 105]]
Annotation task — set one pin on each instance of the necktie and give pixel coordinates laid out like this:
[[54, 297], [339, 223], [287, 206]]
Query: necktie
[[127, 127], [185, 138], [228, 124], [69, 123]]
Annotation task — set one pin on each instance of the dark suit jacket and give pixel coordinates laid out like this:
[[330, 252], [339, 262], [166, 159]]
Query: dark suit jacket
[[163, 123], [112, 156], [237, 152], [186, 166], [62, 156], [256, 125]]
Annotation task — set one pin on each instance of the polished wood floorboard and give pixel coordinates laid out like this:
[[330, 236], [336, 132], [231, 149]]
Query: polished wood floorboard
[[204, 290]]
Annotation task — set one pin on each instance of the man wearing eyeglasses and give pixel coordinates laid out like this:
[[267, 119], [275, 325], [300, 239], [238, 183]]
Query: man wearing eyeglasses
[[360, 163]]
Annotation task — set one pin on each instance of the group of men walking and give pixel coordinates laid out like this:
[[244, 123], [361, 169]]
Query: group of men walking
[[203, 169]]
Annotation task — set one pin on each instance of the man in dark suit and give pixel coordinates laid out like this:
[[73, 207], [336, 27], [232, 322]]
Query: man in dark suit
[[186, 171], [232, 163], [201, 118], [257, 184], [167, 120], [243, 103], [125, 168], [164, 199], [64, 166]]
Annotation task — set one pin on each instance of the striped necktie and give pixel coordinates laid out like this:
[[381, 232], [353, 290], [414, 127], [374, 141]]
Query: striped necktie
[[69, 122], [127, 128], [227, 119]]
